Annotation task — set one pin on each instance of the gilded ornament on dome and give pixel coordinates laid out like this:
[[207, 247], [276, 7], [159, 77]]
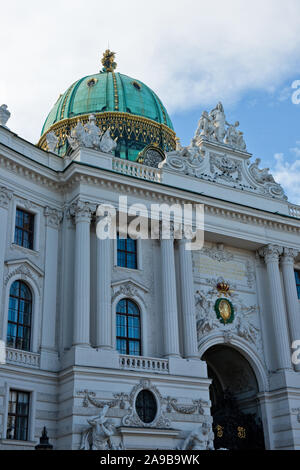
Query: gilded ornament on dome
[[108, 61]]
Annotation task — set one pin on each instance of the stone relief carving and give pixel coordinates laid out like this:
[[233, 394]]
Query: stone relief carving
[[250, 274], [207, 321], [218, 254], [263, 178], [201, 438], [5, 197], [128, 402], [53, 217], [26, 203], [132, 418], [91, 136], [229, 168], [187, 160], [128, 289], [151, 157], [197, 406], [297, 411], [89, 397], [23, 269], [4, 115]]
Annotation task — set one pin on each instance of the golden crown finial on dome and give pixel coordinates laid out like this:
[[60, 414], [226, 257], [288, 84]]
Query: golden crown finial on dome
[[108, 61]]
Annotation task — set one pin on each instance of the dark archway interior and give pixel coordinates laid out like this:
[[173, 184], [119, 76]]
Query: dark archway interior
[[233, 393]]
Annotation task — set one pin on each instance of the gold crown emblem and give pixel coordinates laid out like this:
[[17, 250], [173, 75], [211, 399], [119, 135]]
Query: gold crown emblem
[[223, 288]]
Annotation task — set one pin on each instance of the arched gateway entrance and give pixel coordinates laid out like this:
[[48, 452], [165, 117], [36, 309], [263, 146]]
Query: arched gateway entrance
[[233, 393]]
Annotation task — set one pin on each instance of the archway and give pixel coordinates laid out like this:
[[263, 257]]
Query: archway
[[233, 393]]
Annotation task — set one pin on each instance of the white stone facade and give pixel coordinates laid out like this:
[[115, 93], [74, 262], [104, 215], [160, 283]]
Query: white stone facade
[[73, 369]]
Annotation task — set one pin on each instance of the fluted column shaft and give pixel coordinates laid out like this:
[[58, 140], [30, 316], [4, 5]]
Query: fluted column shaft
[[81, 335], [170, 314], [291, 296], [271, 254], [188, 302], [103, 320]]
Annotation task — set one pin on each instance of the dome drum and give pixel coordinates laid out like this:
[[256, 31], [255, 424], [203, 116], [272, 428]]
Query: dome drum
[[133, 133]]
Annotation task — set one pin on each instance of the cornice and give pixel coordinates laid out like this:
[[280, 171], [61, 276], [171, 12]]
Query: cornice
[[76, 174]]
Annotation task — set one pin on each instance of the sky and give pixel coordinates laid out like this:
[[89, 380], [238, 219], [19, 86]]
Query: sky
[[192, 53]]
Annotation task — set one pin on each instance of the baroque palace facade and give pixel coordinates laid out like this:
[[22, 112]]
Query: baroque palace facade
[[142, 344]]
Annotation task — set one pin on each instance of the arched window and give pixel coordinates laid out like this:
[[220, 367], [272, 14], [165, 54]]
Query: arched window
[[19, 316], [128, 328]]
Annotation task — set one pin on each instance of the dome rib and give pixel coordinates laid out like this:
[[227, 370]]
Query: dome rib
[[132, 111]]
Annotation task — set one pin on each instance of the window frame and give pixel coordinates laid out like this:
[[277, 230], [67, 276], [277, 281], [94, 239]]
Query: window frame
[[18, 416], [23, 230], [127, 338], [297, 281], [127, 252], [17, 323], [21, 205]]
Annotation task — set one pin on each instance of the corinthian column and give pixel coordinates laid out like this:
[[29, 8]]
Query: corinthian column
[[170, 314], [103, 320], [188, 302], [291, 296], [5, 197], [82, 213], [53, 218], [271, 254]]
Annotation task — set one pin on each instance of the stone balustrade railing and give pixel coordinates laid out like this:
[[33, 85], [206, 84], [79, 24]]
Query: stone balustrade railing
[[294, 211], [146, 364], [127, 167], [24, 358]]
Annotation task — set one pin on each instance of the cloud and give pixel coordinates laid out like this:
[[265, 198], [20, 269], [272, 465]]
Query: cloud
[[191, 53], [288, 175]]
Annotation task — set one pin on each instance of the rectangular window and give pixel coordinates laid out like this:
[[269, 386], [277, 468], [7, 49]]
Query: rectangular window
[[127, 252], [24, 229], [18, 415], [297, 275]]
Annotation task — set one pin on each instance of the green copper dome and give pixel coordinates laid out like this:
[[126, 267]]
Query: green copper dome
[[104, 92], [132, 111]]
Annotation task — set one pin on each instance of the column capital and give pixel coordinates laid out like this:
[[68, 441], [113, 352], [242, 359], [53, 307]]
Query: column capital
[[271, 253], [289, 255], [53, 217], [5, 196], [81, 211]]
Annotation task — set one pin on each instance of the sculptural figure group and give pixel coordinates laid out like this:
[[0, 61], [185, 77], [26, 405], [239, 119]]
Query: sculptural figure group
[[89, 135], [213, 126]]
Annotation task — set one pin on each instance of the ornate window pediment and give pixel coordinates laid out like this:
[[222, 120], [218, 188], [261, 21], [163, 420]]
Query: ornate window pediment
[[25, 268], [128, 288]]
